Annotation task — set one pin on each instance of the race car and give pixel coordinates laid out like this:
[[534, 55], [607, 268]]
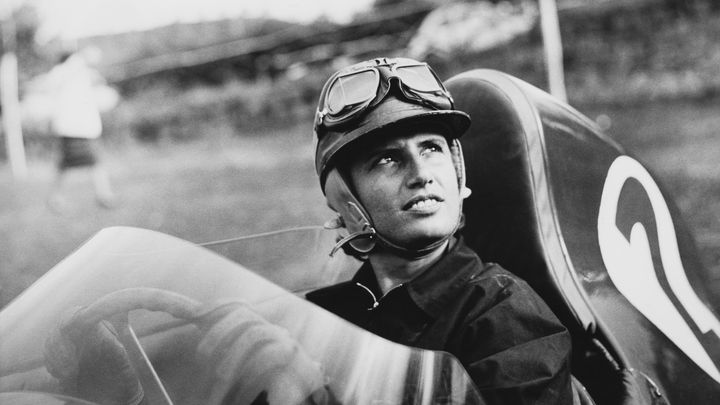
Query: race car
[[136, 316]]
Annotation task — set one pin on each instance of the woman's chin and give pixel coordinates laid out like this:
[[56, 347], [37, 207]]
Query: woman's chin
[[421, 241]]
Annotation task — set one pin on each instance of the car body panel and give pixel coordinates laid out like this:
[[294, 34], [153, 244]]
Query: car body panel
[[567, 208]]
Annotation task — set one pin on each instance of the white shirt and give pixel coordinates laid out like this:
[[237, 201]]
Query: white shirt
[[76, 113]]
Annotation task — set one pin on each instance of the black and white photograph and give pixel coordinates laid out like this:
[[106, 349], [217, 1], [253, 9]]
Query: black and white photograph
[[359, 202]]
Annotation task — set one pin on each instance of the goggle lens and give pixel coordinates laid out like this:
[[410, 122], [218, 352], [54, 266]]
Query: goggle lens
[[352, 89], [418, 78]]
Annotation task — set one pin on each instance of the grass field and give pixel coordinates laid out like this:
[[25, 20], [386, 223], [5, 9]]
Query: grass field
[[230, 187], [238, 185]]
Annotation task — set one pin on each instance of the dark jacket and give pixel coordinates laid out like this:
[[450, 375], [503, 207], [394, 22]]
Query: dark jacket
[[512, 345]]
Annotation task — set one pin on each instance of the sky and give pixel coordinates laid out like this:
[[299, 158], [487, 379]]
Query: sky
[[80, 18]]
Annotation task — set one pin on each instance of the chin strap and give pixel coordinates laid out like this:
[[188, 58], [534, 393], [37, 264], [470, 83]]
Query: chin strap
[[361, 241], [370, 238], [351, 216], [351, 238], [414, 253]]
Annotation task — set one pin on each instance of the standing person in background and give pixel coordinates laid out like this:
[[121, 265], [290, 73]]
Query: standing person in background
[[76, 122]]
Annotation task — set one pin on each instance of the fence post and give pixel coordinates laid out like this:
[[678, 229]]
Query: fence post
[[9, 101], [553, 48]]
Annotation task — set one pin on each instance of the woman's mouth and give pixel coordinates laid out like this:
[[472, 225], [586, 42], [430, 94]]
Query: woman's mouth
[[423, 203]]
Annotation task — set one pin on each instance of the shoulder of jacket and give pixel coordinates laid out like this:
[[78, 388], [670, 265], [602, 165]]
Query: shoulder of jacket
[[495, 273]]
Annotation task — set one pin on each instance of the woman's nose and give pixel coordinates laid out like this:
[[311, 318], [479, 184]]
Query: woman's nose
[[419, 173]]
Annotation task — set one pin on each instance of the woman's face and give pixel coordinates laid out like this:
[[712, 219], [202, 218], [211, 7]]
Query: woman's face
[[409, 187]]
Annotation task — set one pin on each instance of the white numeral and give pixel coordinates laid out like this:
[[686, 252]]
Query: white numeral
[[630, 265]]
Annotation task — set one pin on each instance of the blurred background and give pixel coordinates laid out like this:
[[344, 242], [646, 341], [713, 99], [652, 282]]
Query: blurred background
[[210, 133]]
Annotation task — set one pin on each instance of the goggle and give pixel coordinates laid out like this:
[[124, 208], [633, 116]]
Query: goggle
[[350, 94]]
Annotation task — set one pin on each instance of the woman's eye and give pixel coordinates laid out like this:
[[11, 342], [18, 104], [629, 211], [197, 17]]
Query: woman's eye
[[384, 160], [433, 148]]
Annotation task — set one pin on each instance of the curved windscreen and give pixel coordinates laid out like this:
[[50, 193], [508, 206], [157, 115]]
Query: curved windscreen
[[196, 327]]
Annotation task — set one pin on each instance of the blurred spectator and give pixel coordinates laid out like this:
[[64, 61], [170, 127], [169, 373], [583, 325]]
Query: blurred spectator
[[79, 95]]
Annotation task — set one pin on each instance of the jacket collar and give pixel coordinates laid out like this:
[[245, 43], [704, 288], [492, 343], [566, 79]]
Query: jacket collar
[[435, 287]]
